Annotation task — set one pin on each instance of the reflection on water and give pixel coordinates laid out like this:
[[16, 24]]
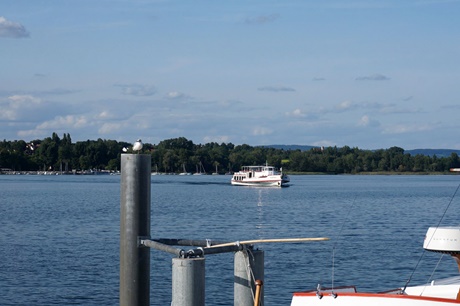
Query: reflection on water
[[260, 216], [259, 203]]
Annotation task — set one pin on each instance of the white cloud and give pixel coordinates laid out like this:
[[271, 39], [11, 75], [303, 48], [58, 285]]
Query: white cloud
[[137, 90], [345, 105], [175, 95], [367, 121], [261, 131], [217, 139], [69, 123], [297, 113], [18, 101], [364, 121], [406, 128], [12, 29], [104, 114], [16, 105], [63, 122], [110, 127], [30, 133], [7, 114]]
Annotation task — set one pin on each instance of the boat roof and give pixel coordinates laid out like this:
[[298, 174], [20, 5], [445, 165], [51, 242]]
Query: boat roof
[[256, 167]]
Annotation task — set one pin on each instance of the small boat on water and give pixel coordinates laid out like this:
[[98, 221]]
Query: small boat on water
[[260, 176], [444, 240], [184, 172], [200, 170]]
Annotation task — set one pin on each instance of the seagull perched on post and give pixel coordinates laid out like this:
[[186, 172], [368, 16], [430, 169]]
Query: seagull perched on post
[[137, 146]]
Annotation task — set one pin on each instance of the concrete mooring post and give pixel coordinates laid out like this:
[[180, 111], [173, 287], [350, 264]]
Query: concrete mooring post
[[188, 281], [134, 225], [248, 267]]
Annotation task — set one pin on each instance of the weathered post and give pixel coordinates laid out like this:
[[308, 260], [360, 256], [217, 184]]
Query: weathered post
[[134, 224], [188, 281], [248, 267]]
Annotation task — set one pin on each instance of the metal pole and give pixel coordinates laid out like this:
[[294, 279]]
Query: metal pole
[[248, 267], [213, 250], [134, 225], [188, 281], [163, 247], [189, 242]]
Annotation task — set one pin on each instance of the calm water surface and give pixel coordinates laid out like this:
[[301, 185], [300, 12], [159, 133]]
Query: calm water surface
[[59, 242]]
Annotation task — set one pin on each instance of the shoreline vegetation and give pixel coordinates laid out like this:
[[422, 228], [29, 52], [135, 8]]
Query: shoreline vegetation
[[55, 155]]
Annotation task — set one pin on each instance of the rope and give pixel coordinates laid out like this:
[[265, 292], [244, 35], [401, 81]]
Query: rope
[[424, 251], [249, 270], [432, 273], [435, 268], [339, 234]]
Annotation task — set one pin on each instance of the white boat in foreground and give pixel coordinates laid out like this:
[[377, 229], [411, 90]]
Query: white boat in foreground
[[438, 292], [260, 176]]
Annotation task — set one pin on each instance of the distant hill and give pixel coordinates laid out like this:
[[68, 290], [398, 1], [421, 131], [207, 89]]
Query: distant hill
[[428, 152], [432, 152], [290, 147]]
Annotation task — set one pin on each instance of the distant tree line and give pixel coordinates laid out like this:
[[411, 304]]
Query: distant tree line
[[182, 155]]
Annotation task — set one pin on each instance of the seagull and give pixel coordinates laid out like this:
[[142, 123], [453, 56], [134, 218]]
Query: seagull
[[137, 145]]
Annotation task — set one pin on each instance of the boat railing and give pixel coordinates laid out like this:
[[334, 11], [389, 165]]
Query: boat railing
[[266, 169], [251, 168]]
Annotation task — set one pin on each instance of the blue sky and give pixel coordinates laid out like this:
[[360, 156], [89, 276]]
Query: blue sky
[[367, 74]]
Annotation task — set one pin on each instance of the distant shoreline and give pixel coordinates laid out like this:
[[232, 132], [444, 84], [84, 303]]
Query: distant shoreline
[[375, 173], [107, 172], [86, 172]]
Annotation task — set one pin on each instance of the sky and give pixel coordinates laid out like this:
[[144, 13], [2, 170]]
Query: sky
[[359, 73]]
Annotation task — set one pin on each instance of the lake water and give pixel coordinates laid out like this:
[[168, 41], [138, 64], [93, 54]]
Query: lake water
[[59, 242]]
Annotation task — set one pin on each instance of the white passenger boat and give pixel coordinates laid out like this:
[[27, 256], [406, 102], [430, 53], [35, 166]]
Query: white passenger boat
[[260, 176], [438, 292]]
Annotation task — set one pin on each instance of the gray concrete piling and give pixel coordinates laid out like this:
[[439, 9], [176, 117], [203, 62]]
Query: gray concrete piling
[[248, 267], [188, 281], [134, 224]]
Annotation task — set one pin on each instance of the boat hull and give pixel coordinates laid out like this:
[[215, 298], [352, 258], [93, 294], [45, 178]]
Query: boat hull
[[368, 299], [261, 183]]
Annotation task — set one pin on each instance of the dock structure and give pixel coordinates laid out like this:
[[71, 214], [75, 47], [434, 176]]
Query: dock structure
[[188, 266]]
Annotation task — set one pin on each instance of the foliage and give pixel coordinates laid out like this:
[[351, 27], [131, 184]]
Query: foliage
[[175, 155]]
